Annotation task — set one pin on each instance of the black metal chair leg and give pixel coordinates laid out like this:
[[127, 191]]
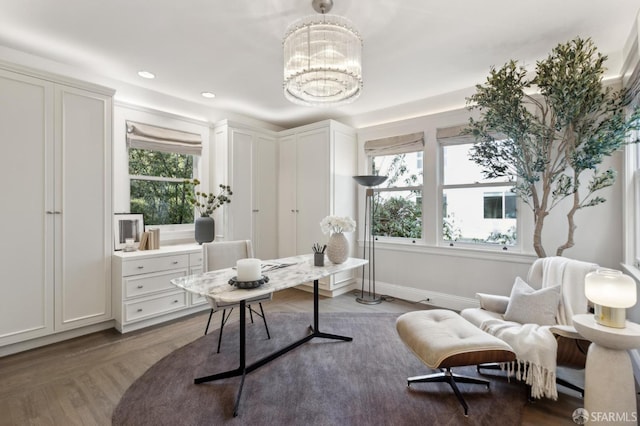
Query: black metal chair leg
[[208, 322], [264, 318], [451, 378], [566, 384], [250, 313], [223, 322], [225, 317]]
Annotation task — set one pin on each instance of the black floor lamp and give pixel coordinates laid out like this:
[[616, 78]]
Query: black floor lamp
[[369, 181]]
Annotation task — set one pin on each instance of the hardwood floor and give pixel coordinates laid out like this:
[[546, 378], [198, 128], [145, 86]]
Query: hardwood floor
[[80, 381]]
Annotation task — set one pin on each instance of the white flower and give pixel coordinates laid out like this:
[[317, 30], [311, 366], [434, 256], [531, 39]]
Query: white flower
[[337, 224]]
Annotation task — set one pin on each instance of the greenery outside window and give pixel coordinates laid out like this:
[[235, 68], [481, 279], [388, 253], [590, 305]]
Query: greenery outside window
[[157, 186], [475, 210], [161, 160], [398, 200]]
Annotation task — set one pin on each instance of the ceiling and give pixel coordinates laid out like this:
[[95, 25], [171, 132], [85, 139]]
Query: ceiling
[[413, 49]]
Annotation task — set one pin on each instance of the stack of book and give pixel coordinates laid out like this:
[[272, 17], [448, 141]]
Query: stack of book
[[150, 239]]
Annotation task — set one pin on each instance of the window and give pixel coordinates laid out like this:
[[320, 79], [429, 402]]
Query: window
[[157, 187], [160, 160], [398, 200], [476, 210], [499, 205]]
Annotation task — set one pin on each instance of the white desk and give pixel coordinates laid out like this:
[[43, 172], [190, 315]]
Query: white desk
[[215, 284]]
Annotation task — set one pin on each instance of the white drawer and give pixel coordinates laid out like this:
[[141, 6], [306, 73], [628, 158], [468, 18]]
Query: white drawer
[[140, 285], [195, 259], [154, 264], [197, 299], [155, 306]]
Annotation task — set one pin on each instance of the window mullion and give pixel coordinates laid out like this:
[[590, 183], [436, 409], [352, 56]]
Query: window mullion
[[156, 178]]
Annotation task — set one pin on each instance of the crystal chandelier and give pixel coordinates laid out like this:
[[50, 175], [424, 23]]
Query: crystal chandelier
[[322, 59]]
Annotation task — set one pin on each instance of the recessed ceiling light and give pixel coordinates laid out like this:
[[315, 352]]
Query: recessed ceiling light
[[208, 95], [146, 74]]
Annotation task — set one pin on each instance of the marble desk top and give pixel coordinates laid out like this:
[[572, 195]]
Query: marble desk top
[[283, 273]]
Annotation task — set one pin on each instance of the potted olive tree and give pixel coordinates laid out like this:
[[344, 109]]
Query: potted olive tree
[[551, 131]]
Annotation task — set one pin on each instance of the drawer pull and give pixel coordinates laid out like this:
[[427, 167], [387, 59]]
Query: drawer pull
[[175, 262], [140, 286], [140, 267], [139, 309], [175, 301]]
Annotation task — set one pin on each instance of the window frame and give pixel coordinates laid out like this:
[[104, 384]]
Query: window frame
[[421, 188], [178, 230], [442, 187]]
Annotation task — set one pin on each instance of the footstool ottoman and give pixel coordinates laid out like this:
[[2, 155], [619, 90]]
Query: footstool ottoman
[[442, 339]]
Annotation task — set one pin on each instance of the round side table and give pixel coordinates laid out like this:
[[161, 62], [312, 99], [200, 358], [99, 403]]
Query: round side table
[[609, 391]]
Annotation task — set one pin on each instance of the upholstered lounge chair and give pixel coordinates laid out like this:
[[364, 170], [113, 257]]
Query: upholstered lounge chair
[[533, 316], [225, 254]]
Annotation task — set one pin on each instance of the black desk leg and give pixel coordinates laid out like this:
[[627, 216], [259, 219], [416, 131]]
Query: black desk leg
[[243, 352], [315, 328], [244, 369]]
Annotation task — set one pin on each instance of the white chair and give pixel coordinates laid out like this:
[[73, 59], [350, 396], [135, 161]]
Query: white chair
[[220, 255], [571, 348]]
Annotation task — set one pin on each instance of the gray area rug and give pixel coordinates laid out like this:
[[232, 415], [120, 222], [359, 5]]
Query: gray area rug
[[323, 382]]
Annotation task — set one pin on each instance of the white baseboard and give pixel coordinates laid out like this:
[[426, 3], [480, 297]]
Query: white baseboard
[[433, 298], [54, 338]]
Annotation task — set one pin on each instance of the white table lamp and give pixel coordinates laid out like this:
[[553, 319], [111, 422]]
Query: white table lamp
[[611, 292]]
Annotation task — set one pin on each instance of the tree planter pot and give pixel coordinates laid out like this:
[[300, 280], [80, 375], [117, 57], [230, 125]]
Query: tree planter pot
[[205, 230]]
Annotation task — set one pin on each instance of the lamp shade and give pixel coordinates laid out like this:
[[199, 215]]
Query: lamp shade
[[610, 288]]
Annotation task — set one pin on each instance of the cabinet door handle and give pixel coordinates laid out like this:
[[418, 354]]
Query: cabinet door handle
[[293, 211], [255, 210], [53, 212]]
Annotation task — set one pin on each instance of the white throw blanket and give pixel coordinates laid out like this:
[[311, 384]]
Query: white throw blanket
[[535, 346]]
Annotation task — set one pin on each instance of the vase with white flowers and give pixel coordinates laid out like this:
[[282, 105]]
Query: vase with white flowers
[[337, 246]]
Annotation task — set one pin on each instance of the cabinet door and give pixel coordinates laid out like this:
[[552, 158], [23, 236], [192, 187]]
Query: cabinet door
[[265, 196], [240, 216], [287, 197], [83, 237], [312, 191], [26, 134]]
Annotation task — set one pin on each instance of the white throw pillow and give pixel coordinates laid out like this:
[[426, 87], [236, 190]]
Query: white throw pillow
[[529, 306]]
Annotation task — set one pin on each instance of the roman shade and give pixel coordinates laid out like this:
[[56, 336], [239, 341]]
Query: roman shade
[[457, 135], [146, 136], [402, 144]]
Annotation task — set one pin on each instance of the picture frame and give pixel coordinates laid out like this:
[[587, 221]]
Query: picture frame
[[127, 225]]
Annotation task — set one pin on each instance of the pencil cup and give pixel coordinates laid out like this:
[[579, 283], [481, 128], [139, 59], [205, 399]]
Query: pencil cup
[[318, 259]]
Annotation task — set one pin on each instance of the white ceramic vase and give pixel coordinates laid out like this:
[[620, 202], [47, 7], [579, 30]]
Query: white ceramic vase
[[338, 248]]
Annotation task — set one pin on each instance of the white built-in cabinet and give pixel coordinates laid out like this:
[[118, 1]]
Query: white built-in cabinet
[[56, 209], [252, 172], [317, 163], [142, 289]]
